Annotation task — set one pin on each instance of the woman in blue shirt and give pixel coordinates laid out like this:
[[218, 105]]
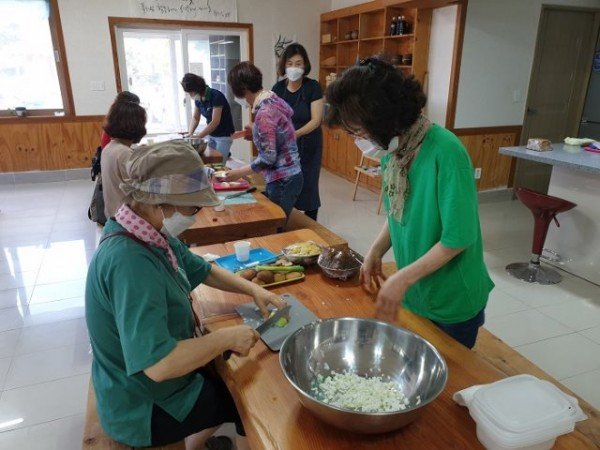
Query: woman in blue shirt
[[304, 96], [214, 107]]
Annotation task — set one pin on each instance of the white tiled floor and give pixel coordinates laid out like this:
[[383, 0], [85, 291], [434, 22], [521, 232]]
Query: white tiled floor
[[44, 350]]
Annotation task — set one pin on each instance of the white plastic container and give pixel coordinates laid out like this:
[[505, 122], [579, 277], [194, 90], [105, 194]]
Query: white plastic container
[[520, 412]]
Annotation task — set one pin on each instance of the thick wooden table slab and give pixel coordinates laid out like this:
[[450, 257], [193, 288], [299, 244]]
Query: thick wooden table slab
[[269, 406], [236, 222]]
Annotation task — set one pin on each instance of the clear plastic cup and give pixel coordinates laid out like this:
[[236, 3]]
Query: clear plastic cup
[[242, 250], [220, 207]]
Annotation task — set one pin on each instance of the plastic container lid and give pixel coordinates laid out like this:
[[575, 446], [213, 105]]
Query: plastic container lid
[[524, 410]]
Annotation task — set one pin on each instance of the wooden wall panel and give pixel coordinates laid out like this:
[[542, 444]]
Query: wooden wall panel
[[482, 145], [340, 155], [49, 145]]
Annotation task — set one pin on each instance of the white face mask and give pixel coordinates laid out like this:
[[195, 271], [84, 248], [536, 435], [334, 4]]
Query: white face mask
[[242, 102], [176, 224], [373, 150], [294, 73]]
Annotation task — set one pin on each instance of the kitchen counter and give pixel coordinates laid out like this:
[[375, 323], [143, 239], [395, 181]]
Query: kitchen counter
[[575, 177], [562, 155]]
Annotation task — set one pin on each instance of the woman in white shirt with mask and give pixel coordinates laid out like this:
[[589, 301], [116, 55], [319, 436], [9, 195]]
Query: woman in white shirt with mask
[[305, 97]]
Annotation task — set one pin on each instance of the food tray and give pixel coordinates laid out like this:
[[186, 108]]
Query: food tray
[[277, 283], [242, 186], [259, 254]]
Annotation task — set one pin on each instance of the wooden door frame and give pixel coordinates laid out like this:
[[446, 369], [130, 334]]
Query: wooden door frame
[[459, 37], [537, 55], [132, 22]]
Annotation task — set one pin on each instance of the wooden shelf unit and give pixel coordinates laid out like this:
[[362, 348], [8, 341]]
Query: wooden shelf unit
[[373, 26], [373, 21]]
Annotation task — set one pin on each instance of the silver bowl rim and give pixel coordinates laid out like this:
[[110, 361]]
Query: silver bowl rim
[[382, 414]]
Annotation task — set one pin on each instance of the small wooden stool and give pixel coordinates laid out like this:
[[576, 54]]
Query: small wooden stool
[[94, 437]]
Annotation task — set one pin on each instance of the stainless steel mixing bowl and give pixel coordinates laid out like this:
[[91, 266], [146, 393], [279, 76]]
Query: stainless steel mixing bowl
[[368, 348], [198, 143]]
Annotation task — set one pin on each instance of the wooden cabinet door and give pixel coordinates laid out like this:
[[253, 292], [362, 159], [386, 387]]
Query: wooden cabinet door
[[326, 149], [334, 144], [352, 158]]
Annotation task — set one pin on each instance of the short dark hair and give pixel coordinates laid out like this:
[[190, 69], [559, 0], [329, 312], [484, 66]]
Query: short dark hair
[[127, 96], [376, 97], [243, 77], [290, 51], [193, 83], [126, 120]]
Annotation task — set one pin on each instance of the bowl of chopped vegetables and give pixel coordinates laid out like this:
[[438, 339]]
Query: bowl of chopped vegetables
[[362, 375], [304, 253]]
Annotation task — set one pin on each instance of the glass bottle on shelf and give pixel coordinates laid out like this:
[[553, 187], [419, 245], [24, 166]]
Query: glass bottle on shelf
[[394, 26], [406, 26], [400, 26]]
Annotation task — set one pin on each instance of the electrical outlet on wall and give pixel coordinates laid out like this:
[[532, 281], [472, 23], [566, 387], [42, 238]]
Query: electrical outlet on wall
[[97, 85], [478, 173]]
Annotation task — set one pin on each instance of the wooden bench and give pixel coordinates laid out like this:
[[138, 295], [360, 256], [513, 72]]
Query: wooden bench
[[94, 437], [510, 362], [298, 220]]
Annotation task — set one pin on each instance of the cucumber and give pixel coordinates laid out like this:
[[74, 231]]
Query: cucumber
[[280, 268]]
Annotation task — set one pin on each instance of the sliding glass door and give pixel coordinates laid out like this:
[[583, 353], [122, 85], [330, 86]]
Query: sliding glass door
[[153, 61]]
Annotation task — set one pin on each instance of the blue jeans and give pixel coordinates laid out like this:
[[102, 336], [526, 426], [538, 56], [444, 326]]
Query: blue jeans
[[285, 192], [221, 144], [463, 332]]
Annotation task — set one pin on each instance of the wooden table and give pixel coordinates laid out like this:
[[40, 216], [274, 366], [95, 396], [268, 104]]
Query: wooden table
[[235, 222], [269, 406]]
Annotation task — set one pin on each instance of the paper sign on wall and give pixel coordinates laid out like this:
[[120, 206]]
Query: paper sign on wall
[[208, 10]]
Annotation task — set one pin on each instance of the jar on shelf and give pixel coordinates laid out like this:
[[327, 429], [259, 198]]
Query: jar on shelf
[[354, 34]]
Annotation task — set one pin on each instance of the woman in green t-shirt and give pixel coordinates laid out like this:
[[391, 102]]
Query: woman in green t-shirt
[[430, 196], [149, 371]]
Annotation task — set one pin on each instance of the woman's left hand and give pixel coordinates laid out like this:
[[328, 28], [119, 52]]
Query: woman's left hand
[[263, 298], [390, 297]]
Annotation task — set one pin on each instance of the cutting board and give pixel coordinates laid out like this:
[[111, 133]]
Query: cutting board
[[300, 315]]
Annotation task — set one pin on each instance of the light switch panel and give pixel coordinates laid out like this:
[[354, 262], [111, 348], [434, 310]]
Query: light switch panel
[[97, 85]]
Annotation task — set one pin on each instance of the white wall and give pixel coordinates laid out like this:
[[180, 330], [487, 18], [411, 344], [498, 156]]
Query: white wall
[[441, 47], [89, 53], [498, 51]]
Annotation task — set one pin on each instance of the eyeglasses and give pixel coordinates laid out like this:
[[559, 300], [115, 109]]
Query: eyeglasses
[[354, 132]]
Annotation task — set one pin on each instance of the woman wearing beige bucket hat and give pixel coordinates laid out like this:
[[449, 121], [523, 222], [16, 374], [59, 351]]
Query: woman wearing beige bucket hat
[[147, 370]]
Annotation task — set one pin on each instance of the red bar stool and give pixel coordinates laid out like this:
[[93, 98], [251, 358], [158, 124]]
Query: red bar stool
[[544, 209]]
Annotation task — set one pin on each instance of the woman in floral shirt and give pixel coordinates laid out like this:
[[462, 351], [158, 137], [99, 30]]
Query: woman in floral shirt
[[273, 134]]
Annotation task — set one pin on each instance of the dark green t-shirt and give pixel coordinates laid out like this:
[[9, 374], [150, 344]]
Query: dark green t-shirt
[[136, 312], [442, 207]]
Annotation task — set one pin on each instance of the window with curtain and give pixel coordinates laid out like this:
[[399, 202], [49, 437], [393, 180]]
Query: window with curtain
[[29, 61]]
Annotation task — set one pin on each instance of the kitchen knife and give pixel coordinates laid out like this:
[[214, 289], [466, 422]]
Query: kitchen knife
[[283, 312], [239, 194]]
